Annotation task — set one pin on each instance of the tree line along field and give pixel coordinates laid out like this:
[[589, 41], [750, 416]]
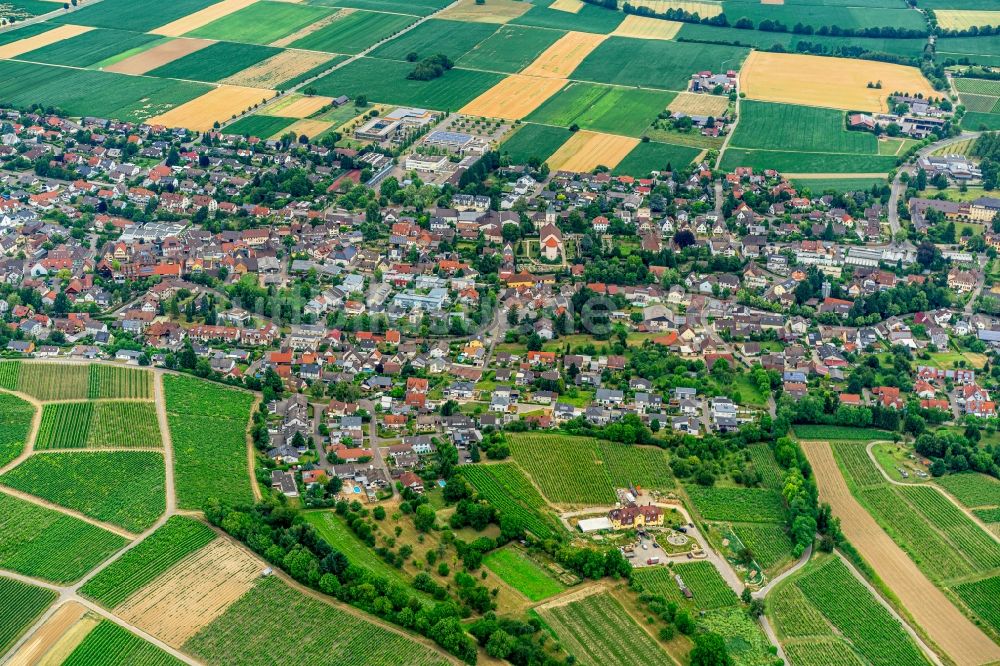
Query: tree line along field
[[597, 630], [80, 425], [46, 544], [824, 615], [15, 425], [208, 425], [707, 587], [505, 487], [582, 470], [315, 631], [125, 488], [22, 605], [516, 569], [175, 540]]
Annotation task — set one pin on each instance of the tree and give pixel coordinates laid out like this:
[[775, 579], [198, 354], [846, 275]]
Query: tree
[[710, 650], [424, 517], [684, 238], [500, 644]]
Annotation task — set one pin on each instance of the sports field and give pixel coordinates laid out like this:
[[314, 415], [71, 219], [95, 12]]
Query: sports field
[[840, 83]]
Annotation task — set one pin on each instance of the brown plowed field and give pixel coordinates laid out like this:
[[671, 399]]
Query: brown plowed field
[[43, 640], [192, 593], [158, 56], [966, 644]]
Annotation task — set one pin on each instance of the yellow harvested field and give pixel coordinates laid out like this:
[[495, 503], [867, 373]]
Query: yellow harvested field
[[217, 105], [586, 151], [643, 27], [58, 34], [695, 104], [840, 83], [559, 60], [702, 9], [514, 97], [192, 593], [772, 2], [963, 19], [201, 18], [312, 27], [311, 128], [158, 56], [493, 11], [569, 6], [298, 106], [49, 634], [277, 69], [58, 653]]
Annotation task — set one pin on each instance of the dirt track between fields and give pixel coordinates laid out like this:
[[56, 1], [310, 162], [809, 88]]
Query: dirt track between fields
[[966, 644]]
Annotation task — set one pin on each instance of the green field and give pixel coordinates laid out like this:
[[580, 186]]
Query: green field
[[981, 597], [988, 515], [820, 185], [135, 15], [768, 542], [601, 108], [451, 38], [385, 81], [208, 426], [981, 121], [314, 631], [967, 538], [589, 19], [216, 62], [534, 142], [770, 126], [89, 48], [261, 23], [745, 640], [333, 530], [505, 487], [822, 14], [653, 63], [15, 424], [177, 538], [981, 49], [355, 33], [743, 505], [792, 162], [46, 544], [858, 617], [764, 462], [420, 8], [910, 48], [565, 468], [110, 381], [53, 381], [653, 156], [259, 125], [80, 92], [315, 71], [78, 425], [707, 587], [825, 432], [971, 488], [111, 645], [639, 466], [10, 371], [510, 49], [23, 605], [584, 630], [125, 488], [516, 569]]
